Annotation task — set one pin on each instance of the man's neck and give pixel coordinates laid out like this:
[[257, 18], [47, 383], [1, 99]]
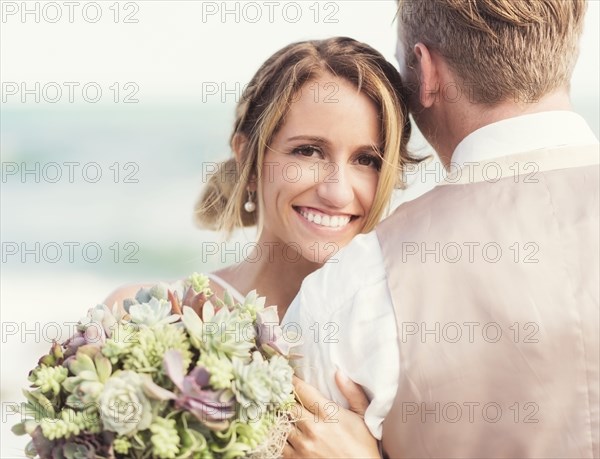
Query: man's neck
[[478, 116]]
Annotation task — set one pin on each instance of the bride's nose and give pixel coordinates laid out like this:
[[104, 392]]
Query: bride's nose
[[335, 186]]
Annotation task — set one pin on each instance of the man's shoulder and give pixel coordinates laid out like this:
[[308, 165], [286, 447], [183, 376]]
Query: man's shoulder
[[417, 212]]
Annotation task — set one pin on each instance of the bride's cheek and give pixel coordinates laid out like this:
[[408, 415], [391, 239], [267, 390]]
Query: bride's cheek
[[301, 175], [367, 193]]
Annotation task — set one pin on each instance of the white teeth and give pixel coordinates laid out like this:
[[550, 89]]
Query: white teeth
[[334, 221]]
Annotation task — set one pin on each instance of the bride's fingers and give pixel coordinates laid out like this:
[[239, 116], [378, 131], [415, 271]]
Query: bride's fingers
[[308, 395], [288, 452], [294, 438], [301, 417], [354, 394]]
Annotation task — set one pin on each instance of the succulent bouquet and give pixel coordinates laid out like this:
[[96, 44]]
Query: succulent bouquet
[[169, 375]]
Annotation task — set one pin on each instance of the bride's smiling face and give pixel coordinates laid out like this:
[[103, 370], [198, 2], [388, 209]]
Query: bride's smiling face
[[320, 172]]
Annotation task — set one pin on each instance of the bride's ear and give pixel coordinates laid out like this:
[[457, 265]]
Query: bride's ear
[[428, 73], [238, 144]]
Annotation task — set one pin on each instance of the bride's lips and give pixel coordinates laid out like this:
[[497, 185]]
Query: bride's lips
[[324, 220]]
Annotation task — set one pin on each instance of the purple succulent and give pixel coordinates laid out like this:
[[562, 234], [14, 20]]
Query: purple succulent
[[194, 300], [191, 298], [83, 446], [213, 408], [269, 334], [94, 328], [73, 343]]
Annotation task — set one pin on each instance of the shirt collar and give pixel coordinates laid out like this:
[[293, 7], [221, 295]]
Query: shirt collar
[[523, 134]]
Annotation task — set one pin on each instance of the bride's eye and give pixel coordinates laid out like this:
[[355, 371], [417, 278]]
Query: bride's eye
[[308, 151], [369, 160]]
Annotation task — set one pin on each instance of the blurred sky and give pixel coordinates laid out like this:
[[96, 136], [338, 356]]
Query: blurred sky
[[176, 46]]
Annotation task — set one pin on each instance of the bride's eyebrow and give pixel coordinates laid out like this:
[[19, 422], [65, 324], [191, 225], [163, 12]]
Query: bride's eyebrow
[[309, 138], [370, 147]]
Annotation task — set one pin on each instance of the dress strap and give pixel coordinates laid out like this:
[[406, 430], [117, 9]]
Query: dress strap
[[237, 296]]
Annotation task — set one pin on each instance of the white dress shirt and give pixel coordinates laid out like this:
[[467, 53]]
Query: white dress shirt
[[344, 309]]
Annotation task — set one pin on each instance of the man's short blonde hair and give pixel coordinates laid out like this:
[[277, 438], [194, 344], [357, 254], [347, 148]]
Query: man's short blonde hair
[[498, 49]]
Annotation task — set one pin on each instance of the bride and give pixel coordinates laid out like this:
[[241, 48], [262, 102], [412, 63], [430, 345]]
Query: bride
[[319, 141]]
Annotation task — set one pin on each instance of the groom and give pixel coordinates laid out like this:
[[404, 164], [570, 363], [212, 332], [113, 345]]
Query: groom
[[471, 315]]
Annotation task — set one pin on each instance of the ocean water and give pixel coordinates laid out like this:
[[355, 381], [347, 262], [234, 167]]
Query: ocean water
[[106, 176], [95, 197]]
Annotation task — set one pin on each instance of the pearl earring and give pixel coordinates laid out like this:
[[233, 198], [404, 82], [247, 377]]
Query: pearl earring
[[249, 205]]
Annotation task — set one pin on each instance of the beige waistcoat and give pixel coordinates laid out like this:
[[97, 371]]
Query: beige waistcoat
[[494, 279]]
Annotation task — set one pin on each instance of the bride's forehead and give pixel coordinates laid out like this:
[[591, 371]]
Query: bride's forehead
[[325, 91]]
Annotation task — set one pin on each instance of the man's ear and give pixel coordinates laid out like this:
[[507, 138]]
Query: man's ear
[[428, 73]]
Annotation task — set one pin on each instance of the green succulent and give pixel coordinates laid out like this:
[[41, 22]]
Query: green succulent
[[91, 370], [251, 384], [200, 283], [220, 369], [226, 333], [49, 379], [165, 440], [70, 423], [122, 445], [119, 345], [253, 304], [280, 380], [147, 356], [153, 313], [124, 407]]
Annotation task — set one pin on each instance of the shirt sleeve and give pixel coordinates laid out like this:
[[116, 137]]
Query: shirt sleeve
[[346, 320]]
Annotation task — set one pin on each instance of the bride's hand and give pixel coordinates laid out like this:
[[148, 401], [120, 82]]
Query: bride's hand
[[326, 430]]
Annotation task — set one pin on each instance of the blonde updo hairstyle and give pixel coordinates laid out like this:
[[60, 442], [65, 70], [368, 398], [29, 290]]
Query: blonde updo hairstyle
[[262, 110]]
